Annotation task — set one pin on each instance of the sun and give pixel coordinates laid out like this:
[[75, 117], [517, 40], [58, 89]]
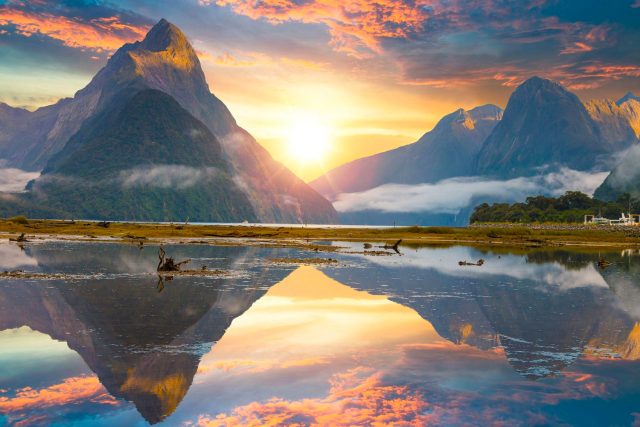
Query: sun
[[308, 139]]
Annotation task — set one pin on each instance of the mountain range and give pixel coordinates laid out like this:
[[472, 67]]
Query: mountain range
[[147, 140], [449, 150], [202, 165], [544, 128]]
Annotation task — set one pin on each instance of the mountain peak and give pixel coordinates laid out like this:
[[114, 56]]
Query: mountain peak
[[487, 111], [537, 91], [536, 80], [164, 35], [543, 124], [468, 119], [539, 83], [627, 97]]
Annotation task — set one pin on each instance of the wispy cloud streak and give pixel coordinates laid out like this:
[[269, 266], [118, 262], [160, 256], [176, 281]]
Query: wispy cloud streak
[[454, 194]]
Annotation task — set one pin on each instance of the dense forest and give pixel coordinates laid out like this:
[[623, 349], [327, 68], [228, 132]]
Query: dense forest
[[570, 207]]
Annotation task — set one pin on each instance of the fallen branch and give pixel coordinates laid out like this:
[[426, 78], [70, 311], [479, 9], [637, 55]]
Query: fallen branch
[[477, 264], [168, 263], [21, 238]]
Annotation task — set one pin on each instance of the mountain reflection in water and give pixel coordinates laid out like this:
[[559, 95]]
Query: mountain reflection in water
[[540, 337]]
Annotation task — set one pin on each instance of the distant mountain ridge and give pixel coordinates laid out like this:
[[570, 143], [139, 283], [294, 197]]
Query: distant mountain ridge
[[165, 61], [449, 150], [628, 96], [544, 128]]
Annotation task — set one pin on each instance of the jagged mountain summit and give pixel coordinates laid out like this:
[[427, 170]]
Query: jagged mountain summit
[[164, 61], [448, 150], [543, 125]]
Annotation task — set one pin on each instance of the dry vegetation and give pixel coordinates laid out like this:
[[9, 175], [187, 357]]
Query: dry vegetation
[[494, 234]]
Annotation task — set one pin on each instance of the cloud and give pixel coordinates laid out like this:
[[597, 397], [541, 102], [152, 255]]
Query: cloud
[[569, 179], [448, 43], [578, 47], [71, 26], [14, 180], [627, 170], [355, 26], [356, 397], [71, 390], [429, 385], [167, 176], [454, 194]]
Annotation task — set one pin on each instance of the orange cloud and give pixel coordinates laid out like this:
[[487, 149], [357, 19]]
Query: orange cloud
[[355, 398], [71, 390], [577, 47], [97, 34], [355, 26]]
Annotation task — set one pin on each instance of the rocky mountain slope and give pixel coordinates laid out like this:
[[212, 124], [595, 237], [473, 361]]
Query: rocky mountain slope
[[165, 61], [448, 150], [147, 160], [543, 125], [618, 123]]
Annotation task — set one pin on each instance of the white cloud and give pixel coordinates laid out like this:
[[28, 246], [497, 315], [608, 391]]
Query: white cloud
[[14, 180], [166, 176], [628, 169], [452, 195], [568, 179]]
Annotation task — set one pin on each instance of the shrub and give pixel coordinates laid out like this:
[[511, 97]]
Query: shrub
[[20, 219]]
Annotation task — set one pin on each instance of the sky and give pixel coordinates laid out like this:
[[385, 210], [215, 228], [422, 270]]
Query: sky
[[360, 76]]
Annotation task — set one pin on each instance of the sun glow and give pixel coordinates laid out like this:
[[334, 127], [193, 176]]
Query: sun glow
[[308, 139]]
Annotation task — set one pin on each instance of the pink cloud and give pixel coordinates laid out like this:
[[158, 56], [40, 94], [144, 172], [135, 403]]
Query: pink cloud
[[97, 34], [577, 47], [71, 390], [356, 397], [355, 26]]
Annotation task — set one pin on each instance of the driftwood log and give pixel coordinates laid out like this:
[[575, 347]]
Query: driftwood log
[[478, 263], [167, 263], [20, 239]]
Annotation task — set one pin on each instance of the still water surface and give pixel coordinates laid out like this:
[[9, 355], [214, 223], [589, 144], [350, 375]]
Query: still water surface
[[530, 338]]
